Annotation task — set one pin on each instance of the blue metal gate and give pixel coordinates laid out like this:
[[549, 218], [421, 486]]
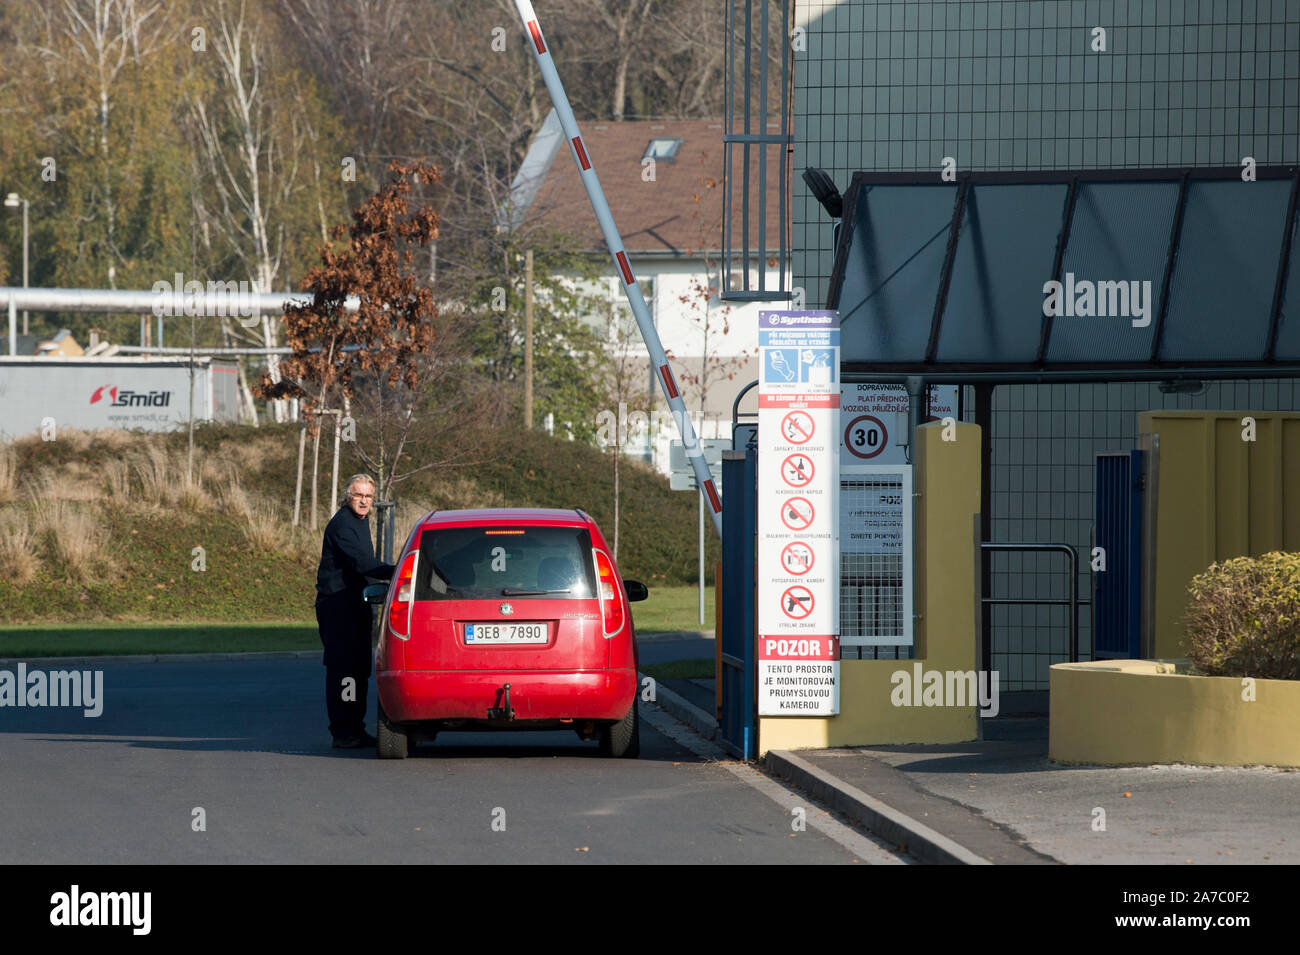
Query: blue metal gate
[[1117, 591], [737, 675]]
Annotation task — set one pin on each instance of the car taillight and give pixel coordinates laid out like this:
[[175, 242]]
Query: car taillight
[[399, 614], [611, 607]]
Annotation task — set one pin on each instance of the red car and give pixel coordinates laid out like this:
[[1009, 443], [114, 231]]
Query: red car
[[509, 619]]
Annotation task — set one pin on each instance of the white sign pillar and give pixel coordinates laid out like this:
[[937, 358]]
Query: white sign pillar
[[798, 514]]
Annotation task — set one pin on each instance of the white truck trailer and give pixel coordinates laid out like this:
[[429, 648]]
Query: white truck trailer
[[149, 393]]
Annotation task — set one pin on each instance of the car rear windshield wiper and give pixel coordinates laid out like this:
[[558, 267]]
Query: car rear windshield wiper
[[512, 592]]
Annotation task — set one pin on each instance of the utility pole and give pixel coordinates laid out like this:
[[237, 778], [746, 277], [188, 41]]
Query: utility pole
[[528, 339]]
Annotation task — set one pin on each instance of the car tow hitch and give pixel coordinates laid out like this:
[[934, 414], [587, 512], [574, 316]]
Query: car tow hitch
[[505, 711]]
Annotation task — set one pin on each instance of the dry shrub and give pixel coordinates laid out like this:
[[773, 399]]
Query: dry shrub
[[76, 439], [1243, 617], [112, 439], [19, 562]]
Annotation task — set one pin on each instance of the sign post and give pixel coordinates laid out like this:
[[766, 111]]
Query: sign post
[[799, 434]]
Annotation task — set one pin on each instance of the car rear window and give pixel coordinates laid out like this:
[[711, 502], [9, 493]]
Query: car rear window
[[463, 563]]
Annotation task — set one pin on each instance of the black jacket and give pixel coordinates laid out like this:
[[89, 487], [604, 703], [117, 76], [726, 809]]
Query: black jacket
[[347, 557]]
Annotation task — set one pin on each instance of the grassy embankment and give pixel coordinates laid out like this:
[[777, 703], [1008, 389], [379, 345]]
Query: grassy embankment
[[100, 534]]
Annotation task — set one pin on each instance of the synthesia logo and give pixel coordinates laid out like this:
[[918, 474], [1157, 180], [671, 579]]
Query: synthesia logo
[[74, 907]]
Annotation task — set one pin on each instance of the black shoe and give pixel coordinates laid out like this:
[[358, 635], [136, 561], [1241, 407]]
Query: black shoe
[[354, 742]]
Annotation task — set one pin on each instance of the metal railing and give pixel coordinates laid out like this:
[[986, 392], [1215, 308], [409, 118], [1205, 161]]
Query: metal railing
[[1072, 602]]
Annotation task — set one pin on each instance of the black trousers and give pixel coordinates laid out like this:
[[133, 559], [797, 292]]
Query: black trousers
[[345, 626]]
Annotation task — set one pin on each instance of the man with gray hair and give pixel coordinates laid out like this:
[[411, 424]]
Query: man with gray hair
[[347, 558]]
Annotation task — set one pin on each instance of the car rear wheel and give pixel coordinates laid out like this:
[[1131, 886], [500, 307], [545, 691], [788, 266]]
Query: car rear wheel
[[391, 739], [622, 739]]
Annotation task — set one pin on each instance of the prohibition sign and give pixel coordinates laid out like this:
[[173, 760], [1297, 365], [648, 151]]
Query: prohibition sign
[[797, 513], [797, 602], [865, 437], [797, 470], [797, 427], [797, 558]]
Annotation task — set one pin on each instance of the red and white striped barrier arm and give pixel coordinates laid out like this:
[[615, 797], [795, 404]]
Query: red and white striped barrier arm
[[695, 454]]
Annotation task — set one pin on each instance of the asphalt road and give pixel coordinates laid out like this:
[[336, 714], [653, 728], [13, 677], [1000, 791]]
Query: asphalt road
[[246, 742]]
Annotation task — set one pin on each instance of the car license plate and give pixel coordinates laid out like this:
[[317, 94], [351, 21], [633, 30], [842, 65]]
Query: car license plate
[[481, 633]]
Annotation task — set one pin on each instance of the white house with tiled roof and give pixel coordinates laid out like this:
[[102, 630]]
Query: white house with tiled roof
[[663, 182]]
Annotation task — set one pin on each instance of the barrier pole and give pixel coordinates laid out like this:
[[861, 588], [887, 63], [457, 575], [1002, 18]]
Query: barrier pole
[[649, 334]]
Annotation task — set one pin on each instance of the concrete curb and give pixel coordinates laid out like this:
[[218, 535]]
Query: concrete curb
[[888, 823], [166, 658], [682, 709]]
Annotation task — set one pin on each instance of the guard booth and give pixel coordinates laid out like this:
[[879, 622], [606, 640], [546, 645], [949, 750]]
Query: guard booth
[[1063, 304]]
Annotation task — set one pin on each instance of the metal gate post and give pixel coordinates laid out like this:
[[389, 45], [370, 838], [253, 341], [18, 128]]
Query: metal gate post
[[738, 672]]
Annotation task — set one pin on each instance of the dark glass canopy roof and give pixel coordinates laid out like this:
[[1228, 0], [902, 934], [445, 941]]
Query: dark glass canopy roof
[[1164, 273]]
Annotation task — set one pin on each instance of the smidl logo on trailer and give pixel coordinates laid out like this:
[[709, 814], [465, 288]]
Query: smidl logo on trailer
[[126, 398]]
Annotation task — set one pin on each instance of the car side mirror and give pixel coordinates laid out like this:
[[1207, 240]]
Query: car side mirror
[[375, 593], [636, 590]]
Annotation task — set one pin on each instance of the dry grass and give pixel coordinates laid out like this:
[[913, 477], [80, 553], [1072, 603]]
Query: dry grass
[[163, 481], [8, 474], [457, 493], [115, 477], [408, 512], [252, 455], [19, 561], [302, 544], [264, 530], [76, 536], [234, 501], [153, 474]]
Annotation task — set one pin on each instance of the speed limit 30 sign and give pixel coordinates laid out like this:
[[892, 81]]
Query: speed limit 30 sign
[[866, 436]]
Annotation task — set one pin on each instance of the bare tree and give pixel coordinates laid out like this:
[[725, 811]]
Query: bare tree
[[251, 103]]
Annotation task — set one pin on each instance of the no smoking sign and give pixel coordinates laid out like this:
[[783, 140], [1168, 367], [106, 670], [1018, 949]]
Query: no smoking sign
[[797, 427]]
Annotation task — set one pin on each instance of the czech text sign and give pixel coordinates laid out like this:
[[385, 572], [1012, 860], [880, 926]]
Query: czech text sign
[[799, 435]]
